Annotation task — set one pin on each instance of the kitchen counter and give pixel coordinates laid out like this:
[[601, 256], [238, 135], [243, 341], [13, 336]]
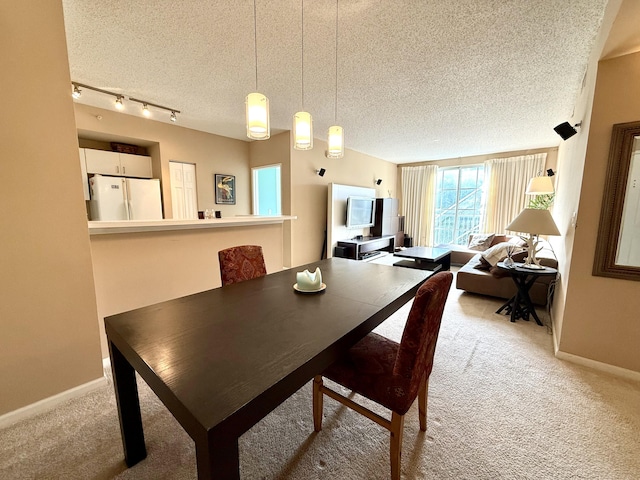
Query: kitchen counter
[[133, 226]]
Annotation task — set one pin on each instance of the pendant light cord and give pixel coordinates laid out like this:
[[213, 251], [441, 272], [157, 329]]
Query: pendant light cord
[[302, 57], [255, 40], [335, 111]]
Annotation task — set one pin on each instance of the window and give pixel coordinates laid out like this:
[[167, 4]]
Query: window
[[266, 190], [458, 204]]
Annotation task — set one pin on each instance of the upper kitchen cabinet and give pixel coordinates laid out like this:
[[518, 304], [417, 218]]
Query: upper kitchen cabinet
[[114, 163]]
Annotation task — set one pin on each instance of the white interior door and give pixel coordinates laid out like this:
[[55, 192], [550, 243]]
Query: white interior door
[[184, 197]]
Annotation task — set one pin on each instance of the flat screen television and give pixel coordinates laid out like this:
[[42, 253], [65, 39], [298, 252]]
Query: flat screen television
[[361, 212]]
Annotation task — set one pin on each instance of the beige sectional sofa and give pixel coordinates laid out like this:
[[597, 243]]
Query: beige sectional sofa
[[476, 276]]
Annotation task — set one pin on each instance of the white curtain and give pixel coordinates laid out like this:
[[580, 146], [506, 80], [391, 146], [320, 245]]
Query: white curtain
[[505, 182], [418, 195]]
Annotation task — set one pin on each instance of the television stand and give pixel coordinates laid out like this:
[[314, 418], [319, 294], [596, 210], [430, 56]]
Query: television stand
[[358, 249]]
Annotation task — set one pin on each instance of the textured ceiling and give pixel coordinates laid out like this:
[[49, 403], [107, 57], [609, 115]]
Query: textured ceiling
[[417, 80]]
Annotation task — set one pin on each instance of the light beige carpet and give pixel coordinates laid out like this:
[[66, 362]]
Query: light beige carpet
[[501, 406]]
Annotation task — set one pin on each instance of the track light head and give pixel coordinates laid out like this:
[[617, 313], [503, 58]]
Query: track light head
[[173, 117], [77, 93], [119, 104], [145, 110]]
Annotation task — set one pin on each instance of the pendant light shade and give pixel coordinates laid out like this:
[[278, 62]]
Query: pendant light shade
[[257, 116], [335, 142], [302, 131]]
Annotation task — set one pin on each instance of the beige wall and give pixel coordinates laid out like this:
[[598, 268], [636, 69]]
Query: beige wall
[[309, 192], [49, 340], [167, 141], [138, 269], [601, 314]]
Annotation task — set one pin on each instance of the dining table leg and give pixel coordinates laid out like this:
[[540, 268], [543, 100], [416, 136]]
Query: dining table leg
[[218, 458], [128, 402]]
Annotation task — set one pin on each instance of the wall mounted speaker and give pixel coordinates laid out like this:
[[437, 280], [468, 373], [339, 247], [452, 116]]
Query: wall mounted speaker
[[378, 181], [321, 172], [566, 130]]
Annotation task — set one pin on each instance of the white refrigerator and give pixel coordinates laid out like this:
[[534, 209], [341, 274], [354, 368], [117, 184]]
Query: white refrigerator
[[119, 198]]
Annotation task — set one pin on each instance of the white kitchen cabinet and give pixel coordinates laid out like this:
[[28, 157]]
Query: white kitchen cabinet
[[83, 169], [135, 165], [114, 163], [184, 197]]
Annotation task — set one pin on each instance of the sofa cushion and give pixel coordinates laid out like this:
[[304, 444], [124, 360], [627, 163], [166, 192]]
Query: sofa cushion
[[493, 255], [481, 241]]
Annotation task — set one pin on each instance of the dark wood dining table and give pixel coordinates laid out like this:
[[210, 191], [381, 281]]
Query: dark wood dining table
[[222, 359]]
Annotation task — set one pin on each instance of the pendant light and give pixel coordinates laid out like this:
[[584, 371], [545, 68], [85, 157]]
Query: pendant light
[[257, 104], [302, 121], [335, 135]]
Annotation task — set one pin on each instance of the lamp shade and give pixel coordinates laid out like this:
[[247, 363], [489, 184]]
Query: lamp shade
[[302, 131], [534, 221], [540, 186], [257, 116], [335, 142]]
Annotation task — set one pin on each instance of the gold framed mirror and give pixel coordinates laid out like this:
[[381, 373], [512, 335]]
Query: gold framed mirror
[[618, 245]]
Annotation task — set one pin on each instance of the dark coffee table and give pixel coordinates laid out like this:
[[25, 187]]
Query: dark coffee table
[[425, 258]]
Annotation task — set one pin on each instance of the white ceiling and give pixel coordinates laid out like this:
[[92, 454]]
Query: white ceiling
[[417, 80]]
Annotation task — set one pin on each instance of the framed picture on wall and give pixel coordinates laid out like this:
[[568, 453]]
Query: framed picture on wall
[[225, 189]]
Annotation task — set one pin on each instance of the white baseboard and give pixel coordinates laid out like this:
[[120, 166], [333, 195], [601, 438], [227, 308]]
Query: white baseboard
[[50, 403], [587, 362], [603, 367]]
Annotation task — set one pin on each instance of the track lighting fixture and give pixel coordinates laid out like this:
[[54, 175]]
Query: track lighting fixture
[[119, 104], [146, 111]]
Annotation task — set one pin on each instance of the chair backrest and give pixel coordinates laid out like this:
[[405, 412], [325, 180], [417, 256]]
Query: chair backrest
[[238, 264], [418, 344]]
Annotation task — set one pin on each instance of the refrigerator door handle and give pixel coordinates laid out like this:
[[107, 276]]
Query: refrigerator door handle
[[127, 198]]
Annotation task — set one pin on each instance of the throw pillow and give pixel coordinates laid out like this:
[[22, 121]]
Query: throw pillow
[[481, 241], [496, 253]]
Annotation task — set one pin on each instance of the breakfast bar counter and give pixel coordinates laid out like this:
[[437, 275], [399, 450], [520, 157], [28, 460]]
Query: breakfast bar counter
[[141, 263], [134, 226]]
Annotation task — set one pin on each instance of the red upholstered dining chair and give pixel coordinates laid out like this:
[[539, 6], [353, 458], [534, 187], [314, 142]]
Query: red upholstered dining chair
[[389, 373], [238, 264]]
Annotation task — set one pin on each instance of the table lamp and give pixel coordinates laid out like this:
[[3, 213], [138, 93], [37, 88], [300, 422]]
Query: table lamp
[[534, 222]]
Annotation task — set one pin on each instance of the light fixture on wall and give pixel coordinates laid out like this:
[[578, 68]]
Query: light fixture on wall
[[119, 102], [335, 135], [257, 104], [302, 121], [566, 130]]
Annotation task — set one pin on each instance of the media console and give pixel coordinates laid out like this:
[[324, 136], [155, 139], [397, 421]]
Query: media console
[[358, 249]]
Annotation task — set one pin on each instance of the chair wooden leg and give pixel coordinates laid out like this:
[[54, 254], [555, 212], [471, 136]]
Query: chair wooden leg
[[422, 403], [317, 403], [397, 424]]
